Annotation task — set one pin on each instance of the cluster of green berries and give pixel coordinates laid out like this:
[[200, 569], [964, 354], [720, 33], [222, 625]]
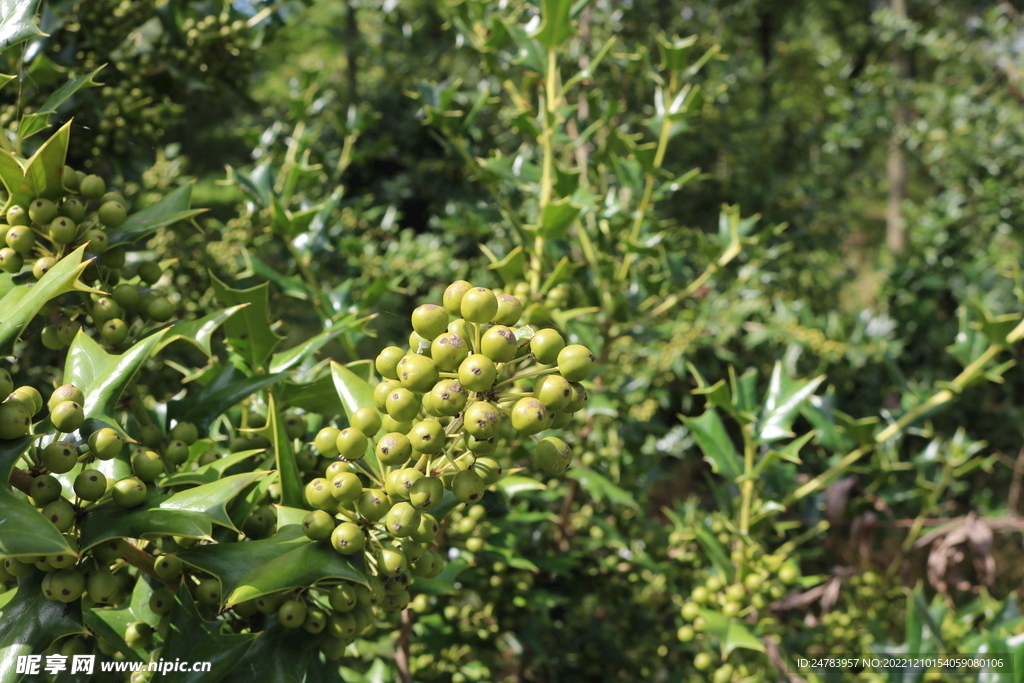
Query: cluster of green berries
[[38, 235]]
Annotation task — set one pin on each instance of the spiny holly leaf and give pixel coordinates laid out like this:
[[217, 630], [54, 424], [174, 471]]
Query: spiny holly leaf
[[190, 638], [168, 211], [103, 630], [23, 529], [300, 352], [249, 333], [29, 623], [137, 609], [355, 393], [319, 396], [200, 332], [188, 513], [709, 432], [228, 388], [41, 175], [17, 24], [555, 25], [279, 654], [731, 634], [209, 473], [782, 403], [23, 302], [37, 121], [284, 454], [305, 565], [102, 376]]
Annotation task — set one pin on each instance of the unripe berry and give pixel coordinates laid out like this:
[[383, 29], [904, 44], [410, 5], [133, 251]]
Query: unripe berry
[[147, 465], [102, 586], [427, 529], [105, 309], [6, 383], [73, 208], [448, 350], [161, 601], [114, 331], [429, 320], [402, 405], [398, 482], [393, 449], [481, 419], [67, 585], [381, 392], [126, 296], [499, 343], [42, 266], [159, 310], [554, 391], [387, 362], [448, 397], [427, 436], [60, 513], [401, 520], [342, 598], [60, 457], [292, 614], [18, 215], [477, 372], [346, 487], [112, 214], [28, 397], [367, 421], [510, 310], [92, 187], [44, 489], [575, 362], [65, 392], [452, 298], [578, 400], [391, 562], [488, 469], [479, 305], [552, 455], [468, 486], [90, 485], [373, 504], [176, 452], [347, 538], [42, 211], [105, 444], [426, 492], [318, 495], [97, 239], [529, 416], [351, 443], [208, 592], [10, 260], [417, 373], [545, 345], [129, 492], [62, 230], [429, 565], [21, 239], [67, 331]]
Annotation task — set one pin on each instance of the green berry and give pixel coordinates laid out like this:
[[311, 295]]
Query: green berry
[[18, 215], [318, 525], [723, 674], [114, 257], [402, 519], [373, 504], [109, 551], [112, 214], [578, 400], [90, 485], [168, 567], [114, 331], [429, 320], [45, 489], [41, 211], [147, 465], [48, 335], [427, 436], [448, 397], [546, 345], [342, 598], [105, 309], [448, 350], [16, 567], [62, 230], [690, 611], [427, 530], [102, 586], [477, 372], [554, 391], [325, 442], [481, 446], [391, 562], [366, 420], [479, 305], [510, 310], [105, 444], [390, 424], [67, 585], [42, 266], [150, 272], [60, 513], [67, 331], [346, 487], [393, 449], [381, 392], [347, 538], [73, 208], [60, 457], [21, 239], [270, 603], [426, 492], [10, 260], [452, 298], [318, 495], [499, 343], [92, 187], [161, 601], [6, 383], [351, 443], [294, 425], [208, 592], [159, 310], [97, 239], [176, 452], [386, 362], [28, 397], [398, 482], [403, 405], [575, 362], [316, 620], [65, 392], [468, 486], [126, 296], [14, 420], [292, 614], [552, 455], [488, 469], [429, 566], [331, 647], [529, 416], [702, 662], [735, 592], [129, 492], [481, 419], [112, 196], [417, 373]]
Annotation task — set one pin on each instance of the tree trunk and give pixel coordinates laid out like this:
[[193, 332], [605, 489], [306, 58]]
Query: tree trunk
[[895, 227]]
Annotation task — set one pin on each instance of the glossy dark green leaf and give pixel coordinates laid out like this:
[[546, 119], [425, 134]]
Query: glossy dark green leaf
[[23, 302], [284, 360], [200, 332], [17, 22], [23, 529], [305, 565], [211, 499], [782, 404], [233, 562], [137, 609], [514, 485], [556, 26], [318, 396], [355, 393], [172, 208], [731, 634], [715, 552], [190, 638], [249, 333], [601, 487], [709, 432], [41, 175], [211, 472], [556, 218], [102, 376], [284, 455], [860, 430], [226, 390], [37, 121], [279, 654], [29, 623], [511, 268]]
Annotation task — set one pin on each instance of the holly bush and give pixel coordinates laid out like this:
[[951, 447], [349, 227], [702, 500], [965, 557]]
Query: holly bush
[[555, 428]]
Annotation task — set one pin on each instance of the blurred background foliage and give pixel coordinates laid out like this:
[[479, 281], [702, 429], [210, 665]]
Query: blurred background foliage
[[360, 155]]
